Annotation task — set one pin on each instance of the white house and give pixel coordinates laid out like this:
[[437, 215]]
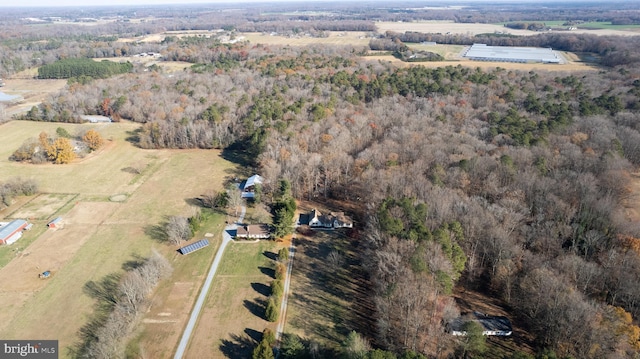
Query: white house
[[491, 324], [248, 191], [332, 220]]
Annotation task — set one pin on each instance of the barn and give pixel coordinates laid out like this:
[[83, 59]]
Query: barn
[[482, 52], [96, 118], [12, 231], [56, 223]]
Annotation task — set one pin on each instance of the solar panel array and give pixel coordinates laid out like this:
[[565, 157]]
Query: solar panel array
[[194, 246]]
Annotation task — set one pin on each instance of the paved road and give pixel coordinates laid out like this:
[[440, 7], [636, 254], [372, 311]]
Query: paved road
[[285, 295], [226, 239]]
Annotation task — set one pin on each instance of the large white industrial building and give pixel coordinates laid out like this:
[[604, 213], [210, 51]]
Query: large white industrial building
[[482, 52]]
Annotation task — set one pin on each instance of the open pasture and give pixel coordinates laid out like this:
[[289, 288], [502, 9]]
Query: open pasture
[[336, 38], [451, 27], [99, 235], [570, 66], [232, 319], [43, 206], [32, 91]]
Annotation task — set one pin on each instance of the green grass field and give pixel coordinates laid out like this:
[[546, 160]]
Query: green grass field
[[587, 25], [606, 25], [100, 236], [233, 316], [449, 52]]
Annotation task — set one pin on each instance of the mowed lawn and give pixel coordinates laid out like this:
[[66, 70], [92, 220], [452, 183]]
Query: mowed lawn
[[100, 236], [232, 319]]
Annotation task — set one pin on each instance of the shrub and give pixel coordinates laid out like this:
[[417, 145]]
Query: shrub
[[281, 271], [272, 312], [277, 288]]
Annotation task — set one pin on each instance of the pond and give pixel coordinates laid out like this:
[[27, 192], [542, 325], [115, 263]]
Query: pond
[[5, 97]]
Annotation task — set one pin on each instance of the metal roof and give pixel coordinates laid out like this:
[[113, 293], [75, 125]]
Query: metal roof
[[13, 226], [253, 180], [513, 54], [194, 246]]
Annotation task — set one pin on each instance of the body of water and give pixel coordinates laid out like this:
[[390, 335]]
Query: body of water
[[5, 97]]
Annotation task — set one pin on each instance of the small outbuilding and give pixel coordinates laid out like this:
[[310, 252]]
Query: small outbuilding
[[56, 223], [12, 231]]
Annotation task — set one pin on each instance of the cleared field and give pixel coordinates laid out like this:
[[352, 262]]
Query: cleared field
[[335, 38], [327, 300], [232, 321], [33, 91], [43, 206], [447, 51], [162, 325], [609, 26], [570, 66], [168, 66], [100, 174], [444, 27], [99, 236]]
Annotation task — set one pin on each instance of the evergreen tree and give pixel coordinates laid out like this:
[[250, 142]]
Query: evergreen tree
[[272, 311], [262, 351]]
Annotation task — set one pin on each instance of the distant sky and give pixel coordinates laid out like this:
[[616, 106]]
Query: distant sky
[[53, 3]]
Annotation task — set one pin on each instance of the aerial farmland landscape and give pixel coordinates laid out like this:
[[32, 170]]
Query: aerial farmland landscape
[[362, 179]]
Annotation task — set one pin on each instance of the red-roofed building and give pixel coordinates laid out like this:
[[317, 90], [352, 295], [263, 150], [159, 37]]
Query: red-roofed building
[[12, 231]]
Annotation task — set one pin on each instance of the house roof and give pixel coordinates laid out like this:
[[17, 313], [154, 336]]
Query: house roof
[[253, 230], [253, 180], [56, 220], [13, 226], [492, 323], [510, 53], [328, 218]]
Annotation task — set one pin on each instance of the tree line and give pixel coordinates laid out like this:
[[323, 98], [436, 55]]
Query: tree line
[[67, 68], [120, 300], [16, 187]]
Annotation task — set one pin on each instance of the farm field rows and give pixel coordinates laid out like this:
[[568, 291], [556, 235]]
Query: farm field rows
[[98, 235]]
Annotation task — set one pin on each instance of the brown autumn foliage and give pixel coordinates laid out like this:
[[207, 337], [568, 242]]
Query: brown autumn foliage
[[532, 165], [93, 139]]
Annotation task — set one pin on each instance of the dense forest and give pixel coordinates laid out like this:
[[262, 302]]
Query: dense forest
[[513, 182]]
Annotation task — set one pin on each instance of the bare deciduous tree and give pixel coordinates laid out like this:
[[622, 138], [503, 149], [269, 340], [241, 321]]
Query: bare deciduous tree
[[177, 229]]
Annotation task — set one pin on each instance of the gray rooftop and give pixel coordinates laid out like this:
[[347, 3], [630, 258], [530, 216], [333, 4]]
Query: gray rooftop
[[513, 54], [7, 230]]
